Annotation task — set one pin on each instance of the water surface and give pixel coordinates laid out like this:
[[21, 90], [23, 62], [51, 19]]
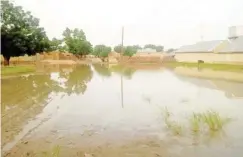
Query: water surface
[[110, 110]]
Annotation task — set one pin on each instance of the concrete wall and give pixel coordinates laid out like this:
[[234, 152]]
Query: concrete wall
[[236, 58]]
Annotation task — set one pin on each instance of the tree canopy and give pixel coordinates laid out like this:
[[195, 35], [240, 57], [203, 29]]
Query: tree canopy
[[57, 44], [101, 50], [76, 42], [130, 50], [20, 32], [158, 48], [127, 50]]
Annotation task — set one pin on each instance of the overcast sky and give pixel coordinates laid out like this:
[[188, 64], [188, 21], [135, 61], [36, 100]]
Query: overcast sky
[[171, 23]]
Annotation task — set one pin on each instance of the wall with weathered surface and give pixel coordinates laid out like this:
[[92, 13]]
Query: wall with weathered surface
[[236, 58]]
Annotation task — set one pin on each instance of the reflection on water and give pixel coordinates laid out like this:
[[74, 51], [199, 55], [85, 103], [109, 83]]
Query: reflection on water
[[93, 106]]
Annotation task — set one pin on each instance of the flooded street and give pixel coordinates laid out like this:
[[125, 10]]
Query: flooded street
[[94, 110]]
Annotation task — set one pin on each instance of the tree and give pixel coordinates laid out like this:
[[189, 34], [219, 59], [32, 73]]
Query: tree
[[56, 44], [170, 50], [130, 51], [20, 32], [101, 51], [76, 42], [159, 48], [117, 48], [151, 46]]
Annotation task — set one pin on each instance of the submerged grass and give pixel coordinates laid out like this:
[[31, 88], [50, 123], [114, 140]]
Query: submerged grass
[[12, 70], [172, 125], [214, 66], [55, 152], [209, 121]]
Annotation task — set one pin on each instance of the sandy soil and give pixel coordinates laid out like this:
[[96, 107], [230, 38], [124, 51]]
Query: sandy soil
[[59, 61]]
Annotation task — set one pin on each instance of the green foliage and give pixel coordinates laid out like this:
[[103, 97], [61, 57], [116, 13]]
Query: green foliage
[[117, 48], [129, 51], [76, 42], [170, 50], [20, 32], [56, 44], [101, 50], [158, 48], [211, 119]]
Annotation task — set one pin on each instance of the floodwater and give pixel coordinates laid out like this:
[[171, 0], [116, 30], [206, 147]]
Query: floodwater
[[94, 110]]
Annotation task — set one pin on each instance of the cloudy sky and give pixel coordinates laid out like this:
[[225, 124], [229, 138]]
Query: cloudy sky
[[171, 23]]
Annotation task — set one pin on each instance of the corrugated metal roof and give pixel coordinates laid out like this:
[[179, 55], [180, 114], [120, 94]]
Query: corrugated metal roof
[[204, 46], [234, 45]]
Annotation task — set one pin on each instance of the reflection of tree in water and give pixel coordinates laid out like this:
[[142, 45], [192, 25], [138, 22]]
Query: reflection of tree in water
[[22, 99], [102, 70], [27, 89], [125, 71], [78, 79]]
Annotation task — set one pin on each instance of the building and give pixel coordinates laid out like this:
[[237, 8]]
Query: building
[[218, 51]]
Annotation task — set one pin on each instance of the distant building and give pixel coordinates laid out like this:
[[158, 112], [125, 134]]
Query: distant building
[[202, 47], [229, 50]]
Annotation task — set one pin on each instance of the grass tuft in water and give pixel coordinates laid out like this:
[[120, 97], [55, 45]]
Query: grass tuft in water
[[213, 120], [195, 123], [173, 126]]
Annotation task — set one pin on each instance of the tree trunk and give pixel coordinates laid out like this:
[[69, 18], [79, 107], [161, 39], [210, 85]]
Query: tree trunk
[[6, 60]]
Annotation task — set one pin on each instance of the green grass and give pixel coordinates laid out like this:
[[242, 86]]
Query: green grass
[[12, 70], [214, 66], [211, 119], [172, 125]]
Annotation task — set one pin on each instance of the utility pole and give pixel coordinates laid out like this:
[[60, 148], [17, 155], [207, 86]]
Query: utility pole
[[122, 40], [121, 55]]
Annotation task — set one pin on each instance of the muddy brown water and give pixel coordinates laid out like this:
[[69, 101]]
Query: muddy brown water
[[94, 110]]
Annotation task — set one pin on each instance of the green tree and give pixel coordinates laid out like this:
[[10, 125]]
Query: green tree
[[101, 50], [117, 48], [170, 50], [136, 47], [76, 42], [159, 48], [56, 44], [151, 46], [130, 51], [20, 32]]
